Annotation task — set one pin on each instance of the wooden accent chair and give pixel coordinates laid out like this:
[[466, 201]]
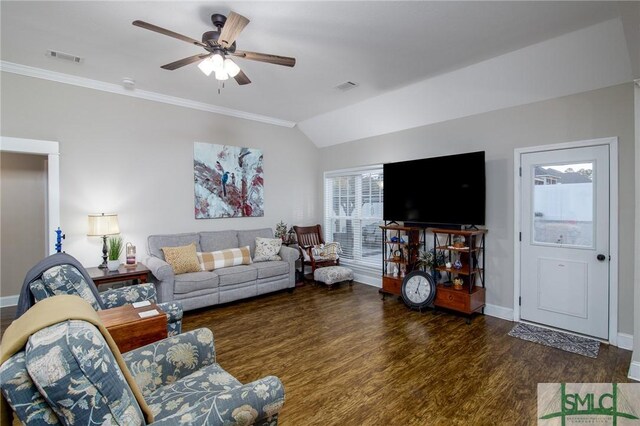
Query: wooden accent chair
[[308, 237]]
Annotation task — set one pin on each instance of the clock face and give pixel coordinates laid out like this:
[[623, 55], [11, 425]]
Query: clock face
[[418, 289]]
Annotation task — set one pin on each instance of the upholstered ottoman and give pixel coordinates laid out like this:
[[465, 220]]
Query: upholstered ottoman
[[330, 275]]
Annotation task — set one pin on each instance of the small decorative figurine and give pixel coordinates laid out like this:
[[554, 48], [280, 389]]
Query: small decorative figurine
[[447, 265], [457, 264], [59, 237], [457, 283]]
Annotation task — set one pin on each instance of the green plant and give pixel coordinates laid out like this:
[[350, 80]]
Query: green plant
[[115, 248], [281, 230], [430, 258]]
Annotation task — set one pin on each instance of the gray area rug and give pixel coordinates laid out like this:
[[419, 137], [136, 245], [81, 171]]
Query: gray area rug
[[556, 339]]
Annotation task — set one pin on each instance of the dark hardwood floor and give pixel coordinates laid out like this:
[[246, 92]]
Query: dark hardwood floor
[[347, 358]]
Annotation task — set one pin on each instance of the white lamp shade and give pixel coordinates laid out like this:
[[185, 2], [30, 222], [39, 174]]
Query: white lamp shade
[[218, 62], [231, 67], [206, 66], [222, 75], [103, 224]]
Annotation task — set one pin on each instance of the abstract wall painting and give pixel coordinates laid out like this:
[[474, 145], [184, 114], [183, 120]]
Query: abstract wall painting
[[228, 181]]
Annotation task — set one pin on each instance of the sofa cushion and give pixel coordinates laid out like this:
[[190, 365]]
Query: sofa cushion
[[267, 249], [182, 259], [271, 269], [248, 237], [194, 281], [187, 392], [156, 242], [218, 240], [224, 258], [237, 274]]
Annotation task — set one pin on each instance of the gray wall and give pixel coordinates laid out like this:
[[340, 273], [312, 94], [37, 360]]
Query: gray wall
[[600, 113], [135, 158], [23, 189]]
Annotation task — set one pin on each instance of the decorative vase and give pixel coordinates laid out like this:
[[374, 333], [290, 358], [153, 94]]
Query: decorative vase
[[113, 265]]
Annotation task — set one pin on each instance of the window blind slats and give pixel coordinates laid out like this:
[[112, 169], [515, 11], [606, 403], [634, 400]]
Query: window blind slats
[[353, 213]]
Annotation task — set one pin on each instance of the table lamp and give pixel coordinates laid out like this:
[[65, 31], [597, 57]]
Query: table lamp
[[101, 225]]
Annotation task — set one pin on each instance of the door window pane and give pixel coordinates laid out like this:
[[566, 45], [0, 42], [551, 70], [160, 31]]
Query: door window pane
[[563, 204]]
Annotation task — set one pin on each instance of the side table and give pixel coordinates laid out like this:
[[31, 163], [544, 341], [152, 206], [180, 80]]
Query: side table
[[138, 272], [129, 331]]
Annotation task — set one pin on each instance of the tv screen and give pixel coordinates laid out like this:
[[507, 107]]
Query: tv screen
[[447, 190]]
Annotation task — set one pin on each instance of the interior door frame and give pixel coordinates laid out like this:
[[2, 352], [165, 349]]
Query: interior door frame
[[612, 142], [50, 149]]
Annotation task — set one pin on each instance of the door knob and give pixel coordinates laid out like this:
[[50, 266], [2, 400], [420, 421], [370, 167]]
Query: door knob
[[601, 257]]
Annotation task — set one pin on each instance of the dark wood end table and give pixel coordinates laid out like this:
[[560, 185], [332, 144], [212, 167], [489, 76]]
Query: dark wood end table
[[129, 331], [138, 272]]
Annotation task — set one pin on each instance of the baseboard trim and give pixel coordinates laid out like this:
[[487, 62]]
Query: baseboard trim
[[499, 312], [634, 371], [625, 341], [7, 301]]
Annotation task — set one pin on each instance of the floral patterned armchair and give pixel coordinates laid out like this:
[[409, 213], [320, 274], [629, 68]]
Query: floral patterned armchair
[[63, 274], [66, 374]]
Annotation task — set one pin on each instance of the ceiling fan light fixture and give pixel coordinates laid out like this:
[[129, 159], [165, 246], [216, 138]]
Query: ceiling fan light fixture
[[222, 75], [206, 66], [231, 67], [218, 61]]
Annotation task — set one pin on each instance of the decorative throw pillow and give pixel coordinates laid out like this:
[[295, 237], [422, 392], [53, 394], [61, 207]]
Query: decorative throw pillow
[[327, 251], [224, 258], [267, 249], [182, 259]]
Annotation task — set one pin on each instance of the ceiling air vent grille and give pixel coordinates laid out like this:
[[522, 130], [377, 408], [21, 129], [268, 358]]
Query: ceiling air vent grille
[[348, 85], [64, 56]]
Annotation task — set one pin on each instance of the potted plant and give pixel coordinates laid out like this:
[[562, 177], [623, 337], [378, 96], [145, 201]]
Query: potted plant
[[114, 252], [281, 230], [430, 259]]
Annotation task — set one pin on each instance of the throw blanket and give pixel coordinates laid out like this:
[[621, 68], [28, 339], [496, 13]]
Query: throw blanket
[[52, 311], [26, 298]]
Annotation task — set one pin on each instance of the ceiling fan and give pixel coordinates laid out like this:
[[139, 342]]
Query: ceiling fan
[[219, 44]]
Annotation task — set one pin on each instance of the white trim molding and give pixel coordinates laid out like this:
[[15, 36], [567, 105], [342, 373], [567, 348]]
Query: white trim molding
[[498, 312], [634, 371], [625, 341], [51, 150], [136, 93], [612, 142], [8, 301]]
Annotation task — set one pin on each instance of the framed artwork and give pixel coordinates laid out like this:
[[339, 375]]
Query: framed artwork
[[228, 181]]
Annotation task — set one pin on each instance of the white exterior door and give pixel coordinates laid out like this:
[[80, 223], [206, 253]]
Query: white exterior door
[[564, 279]]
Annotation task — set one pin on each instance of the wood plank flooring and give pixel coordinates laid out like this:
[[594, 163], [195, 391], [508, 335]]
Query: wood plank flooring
[[347, 358]]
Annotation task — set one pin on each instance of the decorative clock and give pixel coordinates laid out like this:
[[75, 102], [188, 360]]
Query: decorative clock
[[418, 289]]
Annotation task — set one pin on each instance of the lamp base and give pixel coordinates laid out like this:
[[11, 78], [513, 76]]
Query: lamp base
[[103, 265]]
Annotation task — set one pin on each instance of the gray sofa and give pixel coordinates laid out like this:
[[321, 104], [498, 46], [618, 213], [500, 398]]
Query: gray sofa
[[198, 289]]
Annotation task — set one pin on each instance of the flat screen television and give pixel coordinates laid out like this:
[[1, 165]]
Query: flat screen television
[[447, 190]]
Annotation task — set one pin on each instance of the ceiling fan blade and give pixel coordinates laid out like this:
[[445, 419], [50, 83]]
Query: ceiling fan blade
[[169, 33], [242, 79], [263, 57], [185, 61], [232, 27]]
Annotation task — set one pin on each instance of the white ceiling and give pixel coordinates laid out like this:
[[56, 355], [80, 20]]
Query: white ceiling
[[381, 45]]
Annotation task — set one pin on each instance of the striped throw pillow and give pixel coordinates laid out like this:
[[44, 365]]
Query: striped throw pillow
[[224, 258]]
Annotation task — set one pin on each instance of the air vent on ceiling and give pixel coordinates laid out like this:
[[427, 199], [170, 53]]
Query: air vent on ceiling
[[348, 85], [64, 56]]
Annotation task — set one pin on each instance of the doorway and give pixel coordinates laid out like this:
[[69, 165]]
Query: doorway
[[566, 196]]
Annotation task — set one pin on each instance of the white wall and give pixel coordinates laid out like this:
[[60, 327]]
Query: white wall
[[135, 157], [599, 113]]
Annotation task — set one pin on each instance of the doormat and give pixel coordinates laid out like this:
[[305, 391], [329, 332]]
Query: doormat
[[556, 339]]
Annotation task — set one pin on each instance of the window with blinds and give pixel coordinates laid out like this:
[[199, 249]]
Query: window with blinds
[[353, 214]]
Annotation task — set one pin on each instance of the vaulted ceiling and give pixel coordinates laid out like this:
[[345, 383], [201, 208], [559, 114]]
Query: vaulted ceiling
[[385, 47]]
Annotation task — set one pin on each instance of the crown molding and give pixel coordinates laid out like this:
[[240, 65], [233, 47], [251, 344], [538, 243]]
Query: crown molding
[[88, 83]]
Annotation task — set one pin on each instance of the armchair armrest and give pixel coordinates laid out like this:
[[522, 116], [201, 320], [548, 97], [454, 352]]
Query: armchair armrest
[[168, 360], [163, 274], [256, 403], [115, 297]]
